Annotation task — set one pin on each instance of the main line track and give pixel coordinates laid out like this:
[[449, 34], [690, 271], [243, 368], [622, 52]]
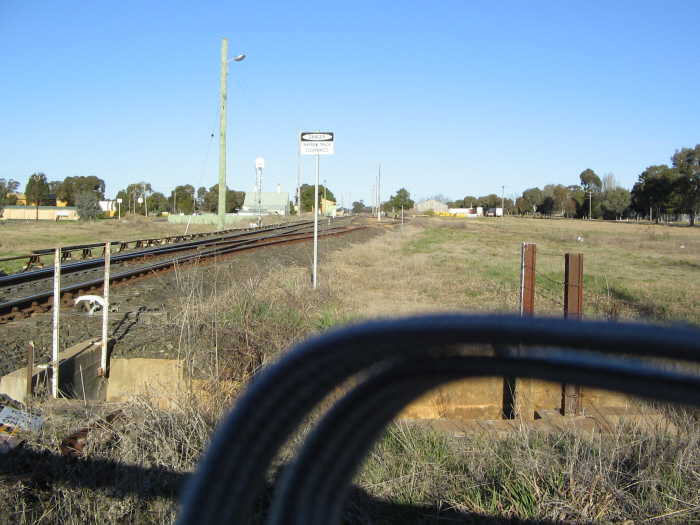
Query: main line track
[[203, 251]]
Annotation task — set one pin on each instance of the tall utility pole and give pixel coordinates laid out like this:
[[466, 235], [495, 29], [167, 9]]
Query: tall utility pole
[[222, 132], [222, 137], [590, 205]]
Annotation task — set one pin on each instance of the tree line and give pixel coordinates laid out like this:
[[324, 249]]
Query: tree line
[[183, 199], [661, 190]]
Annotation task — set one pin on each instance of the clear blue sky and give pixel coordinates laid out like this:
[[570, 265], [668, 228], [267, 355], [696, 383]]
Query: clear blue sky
[[452, 97]]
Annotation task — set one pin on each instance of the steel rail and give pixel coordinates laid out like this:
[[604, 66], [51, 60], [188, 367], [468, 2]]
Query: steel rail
[[223, 488], [47, 273], [41, 302]]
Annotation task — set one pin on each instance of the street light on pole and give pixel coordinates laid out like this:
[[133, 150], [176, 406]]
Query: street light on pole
[[503, 208], [259, 166], [222, 132], [37, 177]]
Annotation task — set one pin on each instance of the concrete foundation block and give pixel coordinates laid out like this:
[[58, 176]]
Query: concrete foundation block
[[14, 384], [159, 379], [77, 375]]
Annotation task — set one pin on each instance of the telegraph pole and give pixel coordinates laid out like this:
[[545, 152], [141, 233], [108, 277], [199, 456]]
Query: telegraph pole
[[222, 132], [222, 137]]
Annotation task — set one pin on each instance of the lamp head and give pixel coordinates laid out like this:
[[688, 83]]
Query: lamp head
[[239, 58]]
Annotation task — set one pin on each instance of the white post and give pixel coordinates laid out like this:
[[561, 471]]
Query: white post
[[105, 312], [299, 174], [379, 198], [56, 320], [316, 224]]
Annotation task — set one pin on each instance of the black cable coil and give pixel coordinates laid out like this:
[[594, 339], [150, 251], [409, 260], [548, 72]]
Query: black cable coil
[[403, 359]]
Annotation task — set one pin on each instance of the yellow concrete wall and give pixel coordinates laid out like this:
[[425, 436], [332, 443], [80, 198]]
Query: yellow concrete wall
[[161, 379], [478, 398], [46, 213], [535, 394]]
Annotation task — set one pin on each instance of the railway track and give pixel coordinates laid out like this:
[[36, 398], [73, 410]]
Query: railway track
[[30, 291]]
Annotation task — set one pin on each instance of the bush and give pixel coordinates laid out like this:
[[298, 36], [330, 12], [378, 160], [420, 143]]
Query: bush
[[88, 205]]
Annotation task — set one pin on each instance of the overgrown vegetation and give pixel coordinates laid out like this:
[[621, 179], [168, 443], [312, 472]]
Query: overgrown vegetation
[[134, 470]]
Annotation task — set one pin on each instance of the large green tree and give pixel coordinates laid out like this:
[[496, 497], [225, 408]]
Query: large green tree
[[558, 193], [71, 186], [359, 207], [402, 199], [531, 199], [182, 199], [30, 190], [471, 202], [7, 187], [131, 195], [490, 201], [88, 205], [686, 161], [656, 190], [615, 203], [307, 196], [590, 181], [234, 200], [157, 203], [546, 207]]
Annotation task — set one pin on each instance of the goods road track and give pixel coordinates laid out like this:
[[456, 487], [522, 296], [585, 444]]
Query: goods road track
[[31, 290]]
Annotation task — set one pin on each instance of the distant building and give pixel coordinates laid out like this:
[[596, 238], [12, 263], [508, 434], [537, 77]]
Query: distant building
[[430, 204], [46, 213], [22, 200], [270, 202], [467, 212], [109, 208]]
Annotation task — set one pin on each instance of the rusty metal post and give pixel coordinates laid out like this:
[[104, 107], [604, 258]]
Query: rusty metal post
[[56, 320], [573, 286], [105, 312], [573, 309], [30, 372], [527, 279], [527, 308]]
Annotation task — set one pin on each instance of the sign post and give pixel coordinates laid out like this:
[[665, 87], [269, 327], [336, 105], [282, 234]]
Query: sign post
[[316, 143]]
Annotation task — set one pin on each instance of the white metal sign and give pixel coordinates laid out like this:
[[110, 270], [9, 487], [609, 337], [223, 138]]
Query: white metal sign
[[9, 417], [317, 143]]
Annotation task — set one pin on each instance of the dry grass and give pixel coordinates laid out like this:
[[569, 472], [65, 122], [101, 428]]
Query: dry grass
[[631, 475], [631, 272]]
